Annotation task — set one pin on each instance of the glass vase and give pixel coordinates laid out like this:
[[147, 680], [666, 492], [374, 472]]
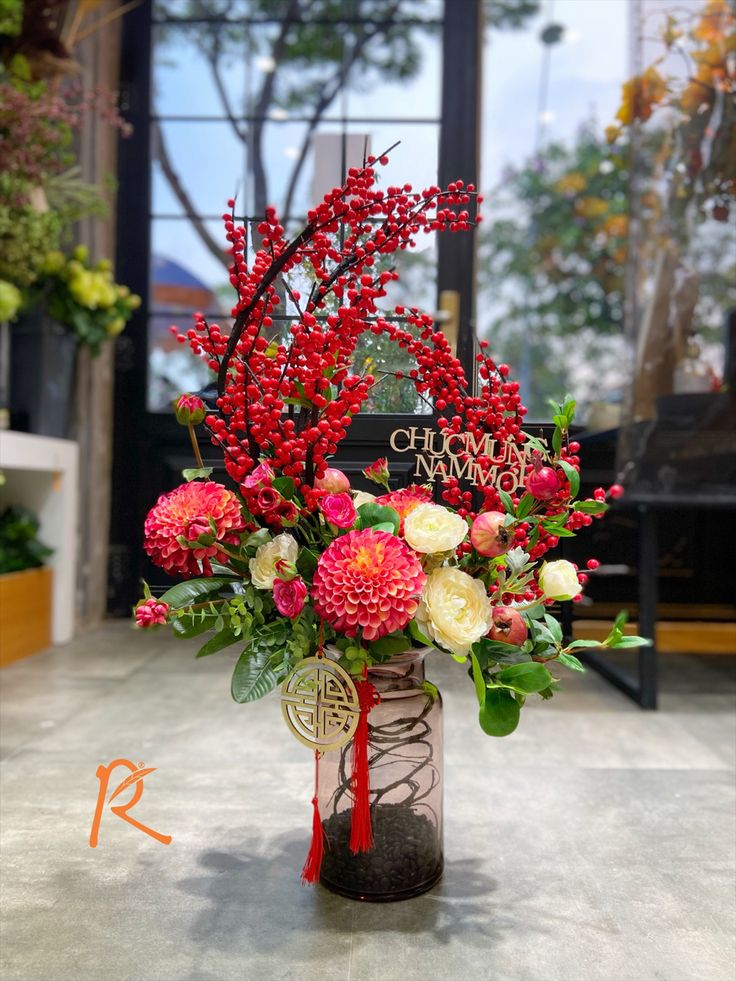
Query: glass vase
[[405, 768]]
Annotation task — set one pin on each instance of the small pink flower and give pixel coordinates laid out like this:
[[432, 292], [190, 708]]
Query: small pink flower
[[262, 474], [150, 612], [289, 597], [190, 410], [339, 510], [333, 481]]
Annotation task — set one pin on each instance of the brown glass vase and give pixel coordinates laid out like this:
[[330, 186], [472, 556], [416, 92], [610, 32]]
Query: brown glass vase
[[405, 768]]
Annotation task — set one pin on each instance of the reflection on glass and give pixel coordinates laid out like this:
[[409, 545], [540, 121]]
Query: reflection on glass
[[553, 248], [677, 116]]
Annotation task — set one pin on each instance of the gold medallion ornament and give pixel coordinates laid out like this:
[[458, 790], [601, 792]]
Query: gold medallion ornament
[[320, 704]]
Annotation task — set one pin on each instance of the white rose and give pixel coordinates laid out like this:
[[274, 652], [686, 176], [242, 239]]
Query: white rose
[[362, 497], [432, 528], [263, 569], [454, 610], [559, 580]]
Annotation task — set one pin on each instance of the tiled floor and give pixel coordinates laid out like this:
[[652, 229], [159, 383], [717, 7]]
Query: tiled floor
[[597, 842]]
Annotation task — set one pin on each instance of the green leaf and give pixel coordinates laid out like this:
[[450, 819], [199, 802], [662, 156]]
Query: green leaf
[[496, 650], [306, 563], [525, 506], [372, 514], [186, 628], [418, 635], [554, 628], [285, 487], [187, 593], [570, 661], [478, 680], [528, 678], [499, 714], [253, 677], [590, 507], [508, 504], [432, 690], [582, 644], [384, 526], [573, 477], [557, 441], [390, 645], [219, 642], [630, 640], [193, 473]]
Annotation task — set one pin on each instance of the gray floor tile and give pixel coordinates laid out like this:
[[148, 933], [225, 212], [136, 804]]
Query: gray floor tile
[[595, 844]]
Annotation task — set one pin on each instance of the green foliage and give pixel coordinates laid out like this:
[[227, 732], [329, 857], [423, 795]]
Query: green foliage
[[11, 17], [20, 547], [499, 714], [372, 515]]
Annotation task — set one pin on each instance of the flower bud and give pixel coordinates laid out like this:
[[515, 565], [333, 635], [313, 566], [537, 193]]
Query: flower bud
[[189, 410], [378, 472], [559, 580], [333, 481]]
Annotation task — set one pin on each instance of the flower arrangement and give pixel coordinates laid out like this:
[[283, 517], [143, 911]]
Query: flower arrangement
[[291, 559], [83, 296], [312, 556]]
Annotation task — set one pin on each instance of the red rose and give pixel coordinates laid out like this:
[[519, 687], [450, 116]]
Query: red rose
[[268, 501]]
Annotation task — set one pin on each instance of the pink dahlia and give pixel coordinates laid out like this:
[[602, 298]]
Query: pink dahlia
[[404, 501], [186, 512], [367, 580]]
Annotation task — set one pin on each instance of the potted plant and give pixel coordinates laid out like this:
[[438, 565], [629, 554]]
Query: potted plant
[[25, 586], [72, 302], [336, 596]]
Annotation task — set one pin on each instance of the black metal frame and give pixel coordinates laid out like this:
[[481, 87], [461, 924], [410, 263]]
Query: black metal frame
[[643, 686]]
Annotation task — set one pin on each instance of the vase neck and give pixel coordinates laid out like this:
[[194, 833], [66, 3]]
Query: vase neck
[[402, 674]]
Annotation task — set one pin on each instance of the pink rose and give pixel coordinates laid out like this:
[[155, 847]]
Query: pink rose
[[333, 481], [378, 472], [339, 510], [289, 597], [150, 612], [262, 474]]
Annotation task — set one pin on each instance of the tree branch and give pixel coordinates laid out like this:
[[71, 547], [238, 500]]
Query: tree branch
[[161, 153]]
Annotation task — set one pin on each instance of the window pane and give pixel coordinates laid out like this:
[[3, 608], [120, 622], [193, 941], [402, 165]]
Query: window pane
[[553, 247]]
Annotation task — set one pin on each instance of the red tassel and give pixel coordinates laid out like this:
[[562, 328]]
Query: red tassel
[[313, 864], [361, 832]]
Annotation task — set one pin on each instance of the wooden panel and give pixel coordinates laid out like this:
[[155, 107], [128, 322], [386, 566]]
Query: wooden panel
[[673, 637], [25, 613]]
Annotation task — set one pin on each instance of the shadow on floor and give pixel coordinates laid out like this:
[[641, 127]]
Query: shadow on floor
[[254, 897]]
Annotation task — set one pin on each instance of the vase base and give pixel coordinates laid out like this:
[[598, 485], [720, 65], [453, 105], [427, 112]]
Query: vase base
[[405, 860], [383, 897]]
